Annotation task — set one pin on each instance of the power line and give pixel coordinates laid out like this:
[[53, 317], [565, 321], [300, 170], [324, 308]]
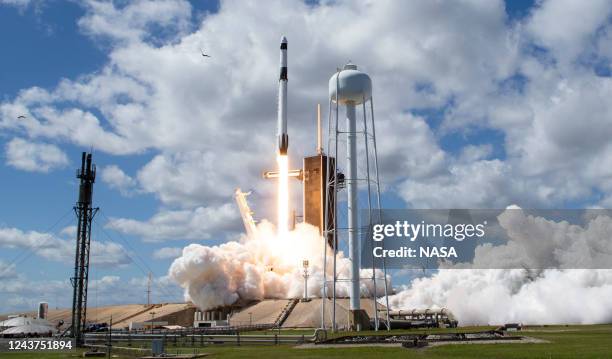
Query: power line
[[159, 285], [31, 250], [27, 252]]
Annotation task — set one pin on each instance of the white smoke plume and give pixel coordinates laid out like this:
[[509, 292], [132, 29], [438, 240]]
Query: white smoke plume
[[547, 296], [497, 296], [536, 242], [258, 267]]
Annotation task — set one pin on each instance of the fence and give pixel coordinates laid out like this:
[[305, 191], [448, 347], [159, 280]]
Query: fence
[[194, 338]]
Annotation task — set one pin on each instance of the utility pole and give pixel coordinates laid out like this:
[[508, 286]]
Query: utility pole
[[85, 214], [109, 346], [149, 289], [152, 320]]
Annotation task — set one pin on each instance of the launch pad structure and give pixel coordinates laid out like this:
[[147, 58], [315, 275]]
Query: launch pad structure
[[318, 195]]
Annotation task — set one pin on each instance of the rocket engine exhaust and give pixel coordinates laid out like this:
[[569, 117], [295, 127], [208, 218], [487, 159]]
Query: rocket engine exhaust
[[282, 226]]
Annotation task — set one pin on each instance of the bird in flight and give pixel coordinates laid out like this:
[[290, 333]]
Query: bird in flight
[[21, 117], [204, 54]]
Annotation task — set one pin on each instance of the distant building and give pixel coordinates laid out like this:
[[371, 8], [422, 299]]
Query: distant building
[[22, 326]]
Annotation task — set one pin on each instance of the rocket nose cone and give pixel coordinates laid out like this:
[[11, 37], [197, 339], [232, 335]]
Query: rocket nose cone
[[283, 40]]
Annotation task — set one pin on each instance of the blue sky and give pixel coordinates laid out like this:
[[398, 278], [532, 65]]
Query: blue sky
[[462, 112], [45, 45]]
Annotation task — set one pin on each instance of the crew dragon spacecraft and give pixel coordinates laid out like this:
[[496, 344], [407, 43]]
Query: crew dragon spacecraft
[[283, 138]]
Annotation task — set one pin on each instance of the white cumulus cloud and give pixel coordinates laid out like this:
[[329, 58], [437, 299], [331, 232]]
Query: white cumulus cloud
[[198, 224], [33, 156], [51, 247], [116, 178], [167, 253]]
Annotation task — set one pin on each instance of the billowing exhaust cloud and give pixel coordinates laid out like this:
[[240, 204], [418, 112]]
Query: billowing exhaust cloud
[[258, 267], [497, 296], [530, 296]]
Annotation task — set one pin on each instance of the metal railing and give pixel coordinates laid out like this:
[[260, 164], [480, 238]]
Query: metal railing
[[193, 338]]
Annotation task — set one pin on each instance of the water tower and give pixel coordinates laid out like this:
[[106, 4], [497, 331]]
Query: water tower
[[352, 89]]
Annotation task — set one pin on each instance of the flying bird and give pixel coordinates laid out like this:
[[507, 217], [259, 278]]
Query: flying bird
[[204, 54], [21, 117]]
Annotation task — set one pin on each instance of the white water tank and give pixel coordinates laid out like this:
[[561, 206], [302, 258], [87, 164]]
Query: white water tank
[[354, 87]]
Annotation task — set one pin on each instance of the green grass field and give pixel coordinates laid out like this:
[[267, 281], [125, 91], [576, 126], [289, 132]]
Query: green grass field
[[592, 341]]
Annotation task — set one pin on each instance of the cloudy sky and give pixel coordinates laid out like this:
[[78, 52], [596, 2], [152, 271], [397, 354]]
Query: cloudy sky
[[479, 104]]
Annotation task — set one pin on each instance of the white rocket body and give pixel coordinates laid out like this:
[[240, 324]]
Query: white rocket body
[[283, 137]]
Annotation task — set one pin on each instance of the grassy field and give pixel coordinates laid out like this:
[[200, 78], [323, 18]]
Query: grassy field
[[593, 341]]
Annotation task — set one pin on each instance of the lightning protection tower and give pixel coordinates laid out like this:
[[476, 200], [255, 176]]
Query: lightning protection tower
[[85, 214]]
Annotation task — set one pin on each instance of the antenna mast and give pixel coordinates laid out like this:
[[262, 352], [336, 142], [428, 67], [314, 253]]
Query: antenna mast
[[149, 289]]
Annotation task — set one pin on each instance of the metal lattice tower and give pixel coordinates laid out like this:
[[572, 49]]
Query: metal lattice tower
[[352, 89], [85, 214]]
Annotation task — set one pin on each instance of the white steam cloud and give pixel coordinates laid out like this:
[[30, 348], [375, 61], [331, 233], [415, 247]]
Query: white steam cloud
[[547, 296], [258, 267], [497, 296]]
